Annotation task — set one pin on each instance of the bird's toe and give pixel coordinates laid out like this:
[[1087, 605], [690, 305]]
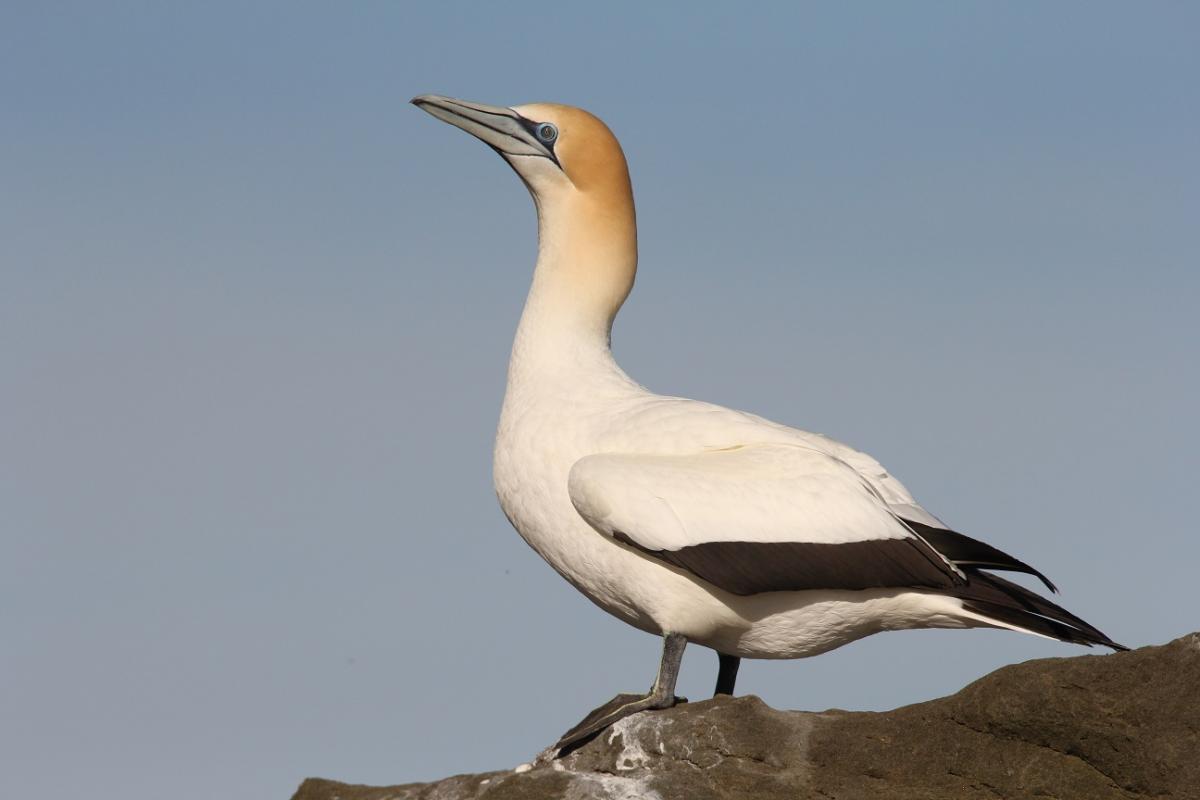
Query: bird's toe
[[616, 709]]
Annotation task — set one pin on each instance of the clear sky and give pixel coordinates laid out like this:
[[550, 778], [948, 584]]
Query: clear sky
[[255, 315]]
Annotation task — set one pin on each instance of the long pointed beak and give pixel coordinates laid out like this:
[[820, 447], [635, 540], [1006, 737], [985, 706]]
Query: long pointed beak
[[501, 128]]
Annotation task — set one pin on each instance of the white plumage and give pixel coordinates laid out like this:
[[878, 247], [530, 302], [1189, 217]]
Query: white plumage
[[682, 518]]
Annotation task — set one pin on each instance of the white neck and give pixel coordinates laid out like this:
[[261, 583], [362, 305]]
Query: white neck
[[587, 258]]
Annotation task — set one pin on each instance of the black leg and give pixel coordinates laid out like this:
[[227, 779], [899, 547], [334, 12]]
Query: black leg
[[726, 673], [661, 695]]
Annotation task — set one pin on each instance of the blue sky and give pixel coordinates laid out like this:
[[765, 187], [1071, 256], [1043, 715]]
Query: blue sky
[[255, 318]]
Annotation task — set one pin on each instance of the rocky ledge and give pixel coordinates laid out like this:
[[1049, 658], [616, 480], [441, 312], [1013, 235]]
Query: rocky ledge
[[1125, 725]]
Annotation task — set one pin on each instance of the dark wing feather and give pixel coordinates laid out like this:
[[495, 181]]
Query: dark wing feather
[[967, 552], [1007, 602], [745, 568]]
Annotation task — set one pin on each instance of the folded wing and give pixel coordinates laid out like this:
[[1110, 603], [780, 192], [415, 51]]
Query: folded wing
[[757, 518]]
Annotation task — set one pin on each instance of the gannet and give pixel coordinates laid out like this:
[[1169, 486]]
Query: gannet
[[687, 520]]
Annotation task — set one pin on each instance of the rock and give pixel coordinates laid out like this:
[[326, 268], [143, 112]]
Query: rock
[[1125, 725]]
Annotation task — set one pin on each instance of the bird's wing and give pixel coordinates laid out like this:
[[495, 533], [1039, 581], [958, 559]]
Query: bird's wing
[[757, 518]]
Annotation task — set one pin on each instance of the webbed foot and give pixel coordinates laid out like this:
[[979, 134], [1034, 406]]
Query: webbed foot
[[621, 706]]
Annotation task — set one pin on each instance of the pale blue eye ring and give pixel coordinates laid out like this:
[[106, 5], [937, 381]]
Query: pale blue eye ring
[[546, 132]]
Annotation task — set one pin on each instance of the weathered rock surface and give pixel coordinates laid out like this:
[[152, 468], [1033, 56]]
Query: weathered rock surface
[[1125, 725]]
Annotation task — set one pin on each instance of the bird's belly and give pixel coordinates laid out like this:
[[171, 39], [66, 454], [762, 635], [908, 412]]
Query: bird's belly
[[808, 623]]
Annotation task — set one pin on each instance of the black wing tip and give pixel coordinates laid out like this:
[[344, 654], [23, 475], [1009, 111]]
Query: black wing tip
[[1023, 568], [963, 551], [1103, 641], [1013, 604], [1116, 647], [1049, 583]]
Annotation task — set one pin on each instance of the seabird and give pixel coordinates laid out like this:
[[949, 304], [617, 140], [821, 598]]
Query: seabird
[[687, 520]]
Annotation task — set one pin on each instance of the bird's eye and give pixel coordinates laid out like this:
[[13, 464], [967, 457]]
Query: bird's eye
[[547, 132]]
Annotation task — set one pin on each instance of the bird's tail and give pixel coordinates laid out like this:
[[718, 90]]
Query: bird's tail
[[1006, 605]]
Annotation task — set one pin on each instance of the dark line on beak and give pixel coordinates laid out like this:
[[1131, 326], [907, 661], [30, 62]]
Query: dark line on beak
[[492, 127], [514, 115]]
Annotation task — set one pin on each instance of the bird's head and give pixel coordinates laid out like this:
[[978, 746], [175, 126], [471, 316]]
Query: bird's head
[[558, 151], [576, 172]]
